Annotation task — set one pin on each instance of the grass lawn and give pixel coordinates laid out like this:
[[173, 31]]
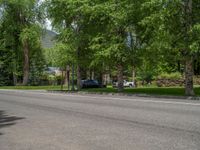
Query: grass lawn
[[175, 91], [57, 87]]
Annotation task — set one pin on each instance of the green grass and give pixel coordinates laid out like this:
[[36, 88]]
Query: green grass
[[174, 91], [33, 87]]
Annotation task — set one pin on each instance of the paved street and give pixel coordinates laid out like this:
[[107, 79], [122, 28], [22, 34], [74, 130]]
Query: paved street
[[31, 120]]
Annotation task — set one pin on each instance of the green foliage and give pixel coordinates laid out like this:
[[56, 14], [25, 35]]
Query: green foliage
[[174, 76], [19, 23], [151, 36], [173, 28], [37, 66], [73, 20], [110, 43], [60, 55], [32, 35], [167, 26], [5, 73], [146, 75]]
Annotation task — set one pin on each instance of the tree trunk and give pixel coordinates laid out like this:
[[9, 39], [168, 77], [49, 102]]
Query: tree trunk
[[120, 78], [102, 79], [108, 80], [73, 74], [88, 77], [92, 75], [14, 79], [189, 90], [62, 80], [26, 63], [67, 75], [14, 73], [133, 74], [79, 82]]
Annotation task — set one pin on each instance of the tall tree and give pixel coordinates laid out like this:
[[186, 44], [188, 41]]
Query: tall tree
[[74, 20], [115, 43], [20, 20], [174, 26]]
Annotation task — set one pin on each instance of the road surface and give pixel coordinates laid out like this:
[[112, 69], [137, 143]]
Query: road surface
[[47, 121]]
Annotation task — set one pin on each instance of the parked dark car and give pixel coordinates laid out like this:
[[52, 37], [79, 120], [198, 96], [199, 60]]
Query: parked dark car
[[90, 84]]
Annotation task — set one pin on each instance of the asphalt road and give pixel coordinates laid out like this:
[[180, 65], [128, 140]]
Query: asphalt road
[[43, 121]]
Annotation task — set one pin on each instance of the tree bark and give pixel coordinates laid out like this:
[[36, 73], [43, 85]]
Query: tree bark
[[189, 89], [67, 77], [133, 74], [79, 82], [14, 79], [102, 79], [26, 67], [92, 75], [62, 80], [88, 76], [67, 70], [120, 78], [73, 74], [14, 73]]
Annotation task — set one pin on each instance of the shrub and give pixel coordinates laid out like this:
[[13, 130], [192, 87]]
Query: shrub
[[172, 76], [196, 80], [169, 80]]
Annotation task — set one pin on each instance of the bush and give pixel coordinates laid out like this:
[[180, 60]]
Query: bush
[[196, 80], [172, 76], [147, 77], [169, 80]]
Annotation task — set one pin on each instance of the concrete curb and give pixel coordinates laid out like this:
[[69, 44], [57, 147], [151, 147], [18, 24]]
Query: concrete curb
[[130, 95]]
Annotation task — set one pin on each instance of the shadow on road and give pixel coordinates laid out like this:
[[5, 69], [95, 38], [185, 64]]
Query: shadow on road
[[6, 120]]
